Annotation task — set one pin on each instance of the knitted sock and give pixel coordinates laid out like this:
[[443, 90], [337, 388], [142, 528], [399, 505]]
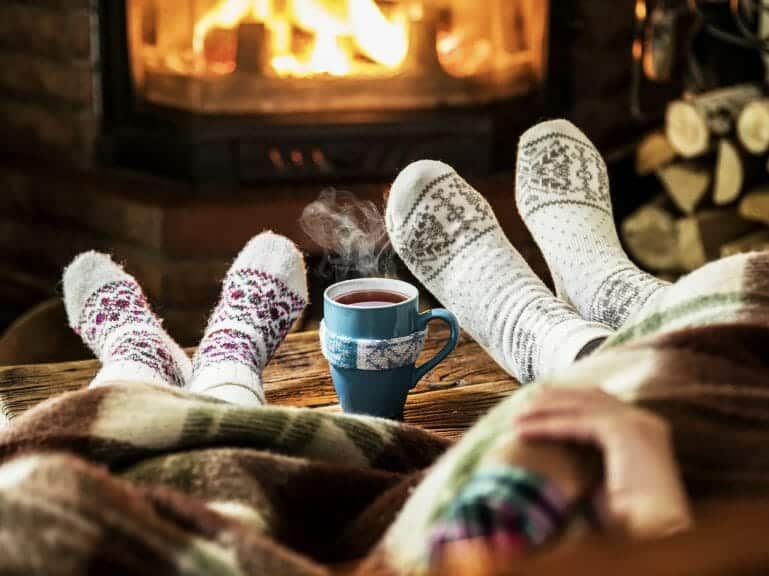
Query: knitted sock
[[264, 291], [107, 308], [449, 238], [562, 193]]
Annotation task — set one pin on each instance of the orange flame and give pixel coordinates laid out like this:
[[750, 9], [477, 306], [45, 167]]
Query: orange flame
[[346, 35], [640, 10], [383, 41]]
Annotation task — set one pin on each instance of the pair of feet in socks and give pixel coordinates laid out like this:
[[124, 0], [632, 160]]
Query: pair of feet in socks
[[447, 235], [449, 238], [263, 293]]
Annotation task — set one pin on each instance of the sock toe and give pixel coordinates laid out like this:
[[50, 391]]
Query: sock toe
[[412, 181], [236, 394], [278, 256], [558, 165], [558, 126], [87, 272]]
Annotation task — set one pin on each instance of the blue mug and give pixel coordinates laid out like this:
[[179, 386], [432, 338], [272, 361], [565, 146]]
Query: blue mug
[[372, 346]]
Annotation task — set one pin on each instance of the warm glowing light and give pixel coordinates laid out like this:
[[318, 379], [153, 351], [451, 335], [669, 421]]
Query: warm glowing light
[[346, 35], [640, 10], [320, 17], [228, 14], [327, 57], [383, 41], [448, 43], [462, 54], [261, 10], [281, 35]]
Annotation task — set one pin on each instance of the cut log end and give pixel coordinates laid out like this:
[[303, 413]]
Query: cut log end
[[700, 237], [753, 127], [650, 235], [687, 129], [691, 124], [653, 153], [730, 174], [687, 184], [755, 242], [755, 205]]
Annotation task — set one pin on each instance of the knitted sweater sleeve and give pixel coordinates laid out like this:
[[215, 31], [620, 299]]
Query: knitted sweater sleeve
[[512, 510]]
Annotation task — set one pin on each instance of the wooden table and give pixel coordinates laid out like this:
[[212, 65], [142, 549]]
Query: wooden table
[[447, 401]]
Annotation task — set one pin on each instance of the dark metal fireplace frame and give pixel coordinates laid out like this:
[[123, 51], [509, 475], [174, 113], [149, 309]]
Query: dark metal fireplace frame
[[233, 150]]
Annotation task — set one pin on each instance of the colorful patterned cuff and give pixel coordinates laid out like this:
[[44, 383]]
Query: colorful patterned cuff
[[362, 354], [512, 509]]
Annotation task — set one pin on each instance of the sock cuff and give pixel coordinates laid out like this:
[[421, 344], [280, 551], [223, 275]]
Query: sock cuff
[[226, 373], [128, 371], [562, 345], [236, 394]]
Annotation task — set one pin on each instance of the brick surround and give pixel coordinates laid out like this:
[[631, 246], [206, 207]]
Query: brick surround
[[50, 85]]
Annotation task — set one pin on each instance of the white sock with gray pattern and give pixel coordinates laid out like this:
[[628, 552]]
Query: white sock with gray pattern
[[449, 238], [562, 193]]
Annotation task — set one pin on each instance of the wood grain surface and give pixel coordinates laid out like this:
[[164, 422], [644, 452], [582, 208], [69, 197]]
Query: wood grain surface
[[447, 401]]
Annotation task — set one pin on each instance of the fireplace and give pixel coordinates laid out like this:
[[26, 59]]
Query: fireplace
[[269, 90], [100, 154], [298, 56]]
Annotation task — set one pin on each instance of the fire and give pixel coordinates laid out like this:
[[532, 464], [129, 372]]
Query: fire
[[311, 37], [381, 40]]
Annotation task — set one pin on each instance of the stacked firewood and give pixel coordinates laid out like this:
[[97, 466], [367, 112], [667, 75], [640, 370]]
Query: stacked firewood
[[711, 168]]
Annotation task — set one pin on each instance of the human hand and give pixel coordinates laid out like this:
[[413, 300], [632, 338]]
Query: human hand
[[642, 493]]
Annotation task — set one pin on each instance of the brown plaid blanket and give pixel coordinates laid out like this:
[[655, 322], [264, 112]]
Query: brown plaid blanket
[[135, 479]]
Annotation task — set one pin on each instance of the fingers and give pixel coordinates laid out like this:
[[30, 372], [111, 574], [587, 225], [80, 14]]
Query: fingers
[[559, 400], [570, 426], [567, 403], [642, 488], [584, 415]]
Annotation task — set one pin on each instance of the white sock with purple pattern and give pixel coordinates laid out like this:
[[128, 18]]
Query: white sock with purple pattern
[[107, 308], [264, 291]]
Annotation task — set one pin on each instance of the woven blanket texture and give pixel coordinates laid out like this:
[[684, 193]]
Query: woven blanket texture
[[132, 478]]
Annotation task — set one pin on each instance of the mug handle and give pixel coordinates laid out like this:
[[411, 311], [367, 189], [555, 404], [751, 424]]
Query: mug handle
[[422, 321]]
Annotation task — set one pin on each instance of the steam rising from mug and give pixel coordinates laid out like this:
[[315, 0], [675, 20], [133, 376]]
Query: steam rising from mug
[[352, 234]]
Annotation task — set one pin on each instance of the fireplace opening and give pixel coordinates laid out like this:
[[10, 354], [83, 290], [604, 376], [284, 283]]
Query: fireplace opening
[[294, 56], [255, 90]]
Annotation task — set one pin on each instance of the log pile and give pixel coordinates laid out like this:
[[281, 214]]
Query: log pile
[[710, 167]]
